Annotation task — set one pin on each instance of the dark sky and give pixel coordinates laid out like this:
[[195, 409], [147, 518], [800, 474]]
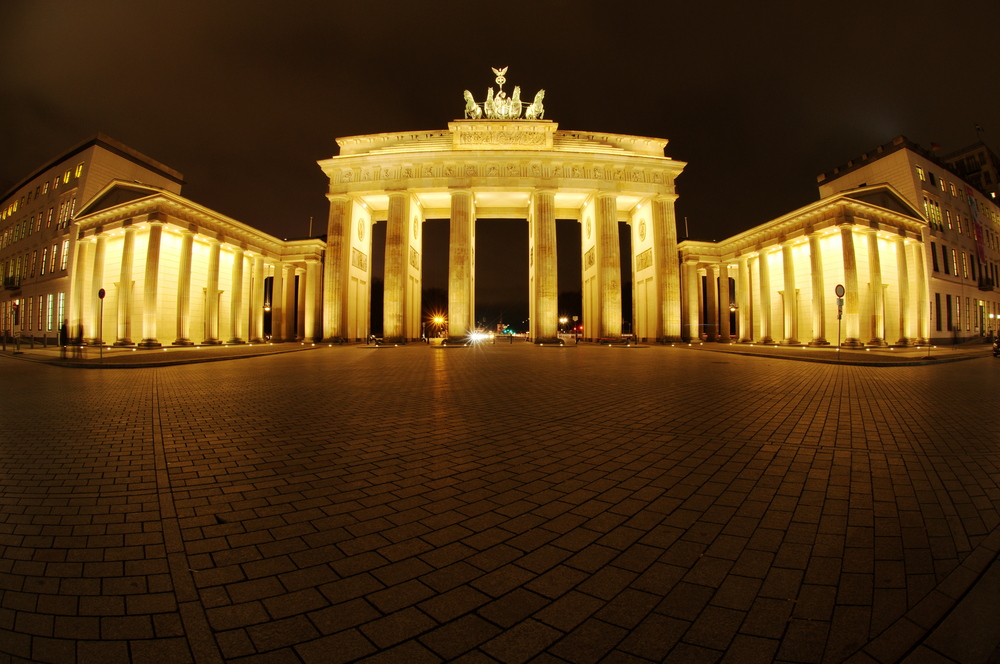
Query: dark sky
[[243, 98]]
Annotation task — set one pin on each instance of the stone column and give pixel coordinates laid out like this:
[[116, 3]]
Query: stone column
[[765, 297], [212, 295], [300, 323], [288, 313], [851, 303], [923, 301], [278, 304], [396, 249], [312, 291], [725, 333], [609, 292], [903, 279], [336, 268], [236, 298], [691, 291], [668, 289], [743, 300], [125, 290], [545, 326], [151, 286], [791, 331], [75, 332], [818, 301], [875, 284], [184, 290], [257, 301], [96, 284], [460, 314], [711, 304]]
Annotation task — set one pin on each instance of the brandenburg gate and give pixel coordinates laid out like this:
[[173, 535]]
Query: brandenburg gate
[[501, 163]]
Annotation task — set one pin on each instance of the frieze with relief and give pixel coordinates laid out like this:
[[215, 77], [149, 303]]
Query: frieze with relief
[[644, 260], [589, 258], [414, 259], [359, 260]]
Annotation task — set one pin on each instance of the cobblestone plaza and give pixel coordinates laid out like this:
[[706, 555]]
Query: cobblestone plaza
[[499, 503]]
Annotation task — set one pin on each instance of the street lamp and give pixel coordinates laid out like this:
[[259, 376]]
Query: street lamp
[[562, 322]]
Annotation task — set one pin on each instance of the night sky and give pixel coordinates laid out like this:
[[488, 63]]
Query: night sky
[[243, 98]]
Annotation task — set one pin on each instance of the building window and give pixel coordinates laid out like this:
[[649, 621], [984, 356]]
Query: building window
[[954, 261], [941, 181], [931, 177], [34, 258], [958, 222], [45, 190], [920, 174], [65, 255], [79, 170], [45, 258], [944, 259], [62, 307], [41, 307], [51, 302], [965, 267], [66, 176], [934, 260], [947, 219], [947, 303], [48, 224]]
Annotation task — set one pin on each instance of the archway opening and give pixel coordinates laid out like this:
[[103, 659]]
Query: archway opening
[[501, 274]]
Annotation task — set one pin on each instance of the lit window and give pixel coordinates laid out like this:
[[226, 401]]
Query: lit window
[[49, 222], [41, 306], [954, 260], [920, 174], [66, 176], [52, 259], [965, 267], [55, 182], [65, 255], [952, 184], [62, 306], [79, 170], [45, 188], [958, 222], [942, 184], [51, 300], [34, 257], [947, 218], [45, 259]]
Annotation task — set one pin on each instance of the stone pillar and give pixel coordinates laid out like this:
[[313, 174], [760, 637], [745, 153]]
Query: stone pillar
[[609, 292], [288, 313], [903, 279], [791, 331], [212, 295], [125, 290], [545, 325], [691, 291], [851, 303], [725, 333], [743, 300], [396, 271], [151, 286], [336, 268], [765, 298], [923, 301], [875, 284], [460, 314], [75, 332], [711, 304], [818, 301], [184, 291], [278, 303], [96, 284], [257, 301], [667, 276], [312, 291], [236, 298], [300, 323]]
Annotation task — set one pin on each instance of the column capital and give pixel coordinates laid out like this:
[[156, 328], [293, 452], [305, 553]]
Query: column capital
[[664, 198], [338, 198]]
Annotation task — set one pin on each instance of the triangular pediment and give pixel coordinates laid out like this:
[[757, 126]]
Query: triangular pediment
[[117, 193], [886, 197]]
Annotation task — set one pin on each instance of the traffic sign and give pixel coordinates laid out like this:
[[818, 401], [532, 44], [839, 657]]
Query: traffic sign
[[839, 290]]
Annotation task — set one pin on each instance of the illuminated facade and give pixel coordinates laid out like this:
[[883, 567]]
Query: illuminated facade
[[104, 217], [520, 169]]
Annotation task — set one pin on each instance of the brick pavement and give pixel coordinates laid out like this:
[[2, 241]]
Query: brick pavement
[[497, 503]]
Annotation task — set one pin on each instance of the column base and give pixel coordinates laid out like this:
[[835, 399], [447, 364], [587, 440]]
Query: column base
[[93, 342], [256, 340], [123, 342], [235, 340], [183, 342], [852, 343], [766, 340], [903, 341], [819, 342], [149, 343], [878, 343], [790, 342], [211, 342], [745, 340]]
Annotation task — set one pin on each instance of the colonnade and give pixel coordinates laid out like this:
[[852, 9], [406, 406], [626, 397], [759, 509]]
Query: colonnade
[[827, 256], [166, 282]]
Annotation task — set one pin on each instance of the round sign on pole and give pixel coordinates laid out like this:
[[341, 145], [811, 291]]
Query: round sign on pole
[[101, 293], [839, 290]]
